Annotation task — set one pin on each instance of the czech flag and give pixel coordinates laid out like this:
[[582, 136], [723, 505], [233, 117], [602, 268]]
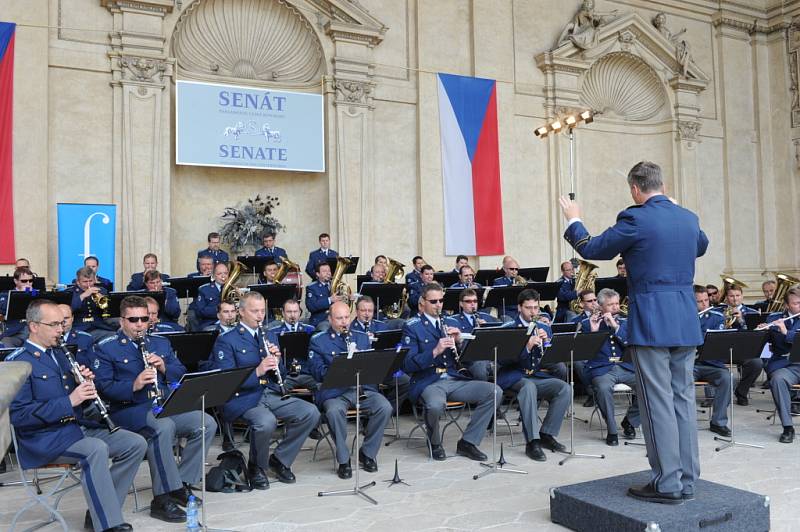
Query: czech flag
[[473, 213], [6, 127]]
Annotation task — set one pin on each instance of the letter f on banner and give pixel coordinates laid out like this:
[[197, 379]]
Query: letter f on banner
[[78, 238], [87, 231]]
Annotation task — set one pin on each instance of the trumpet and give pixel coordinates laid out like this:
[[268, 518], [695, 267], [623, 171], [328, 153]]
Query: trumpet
[[762, 326], [154, 393], [267, 345], [76, 372], [100, 300]]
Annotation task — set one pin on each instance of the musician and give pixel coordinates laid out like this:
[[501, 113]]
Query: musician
[[269, 248], [15, 331], [380, 259], [322, 254], [783, 374], [259, 400], [270, 273], [291, 323], [587, 300], [213, 250], [435, 378], [208, 297], [656, 236], [466, 321], [81, 340], [48, 415], [339, 340], [227, 317], [510, 272], [122, 377], [461, 261], [566, 292], [466, 278], [156, 325], [205, 267], [149, 262], [88, 315], [713, 294], [415, 290], [752, 367], [414, 276], [22, 263], [318, 296], [94, 263], [621, 271], [713, 371], [378, 273], [153, 283], [607, 369], [768, 288]]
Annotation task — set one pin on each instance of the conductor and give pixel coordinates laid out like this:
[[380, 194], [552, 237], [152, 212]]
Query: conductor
[[659, 242]]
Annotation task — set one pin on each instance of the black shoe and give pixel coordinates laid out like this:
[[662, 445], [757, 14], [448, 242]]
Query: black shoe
[[687, 496], [164, 508], [795, 409], [706, 403], [722, 431], [437, 453], [283, 473], [549, 442], [787, 436], [367, 464], [345, 471], [533, 450], [315, 434], [258, 479], [466, 449], [122, 527], [612, 440], [628, 432], [589, 402], [181, 496], [742, 400], [648, 494]]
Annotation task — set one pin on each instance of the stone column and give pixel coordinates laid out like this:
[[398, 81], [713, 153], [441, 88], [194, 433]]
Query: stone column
[[687, 124]]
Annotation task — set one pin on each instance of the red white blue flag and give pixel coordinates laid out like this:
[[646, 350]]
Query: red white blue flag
[[6, 128], [473, 213]]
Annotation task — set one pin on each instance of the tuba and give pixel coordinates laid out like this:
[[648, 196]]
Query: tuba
[[584, 280], [728, 282], [784, 281], [230, 293], [393, 273], [339, 288], [284, 269]]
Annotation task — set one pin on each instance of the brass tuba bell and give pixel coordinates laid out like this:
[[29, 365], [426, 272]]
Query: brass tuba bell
[[339, 288], [584, 280], [230, 293], [393, 273], [784, 282]]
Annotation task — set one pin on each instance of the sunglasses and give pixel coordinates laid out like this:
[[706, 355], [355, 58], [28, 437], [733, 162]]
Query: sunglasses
[[514, 269], [434, 301], [135, 319], [25, 281]]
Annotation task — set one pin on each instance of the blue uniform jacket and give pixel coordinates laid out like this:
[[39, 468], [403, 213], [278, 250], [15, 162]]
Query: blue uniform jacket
[[420, 336], [205, 306], [85, 312], [219, 255], [744, 309], [711, 320], [659, 242], [614, 346], [475, 286], [102, 282], [372, 327], [528, 363], [318, 302], [413, 277], [12, 326], [566, 293], [171, 308], [41, 412], [326, 345], [117, 363], [461, 321], [238, 348], [272, 253], [781, 344], [137, 281], [84, 342], [318, 256]]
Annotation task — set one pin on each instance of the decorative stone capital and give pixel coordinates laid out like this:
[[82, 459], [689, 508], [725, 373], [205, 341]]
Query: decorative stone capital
[[687, 131], [161, 7], [354, 93], [143, 69]]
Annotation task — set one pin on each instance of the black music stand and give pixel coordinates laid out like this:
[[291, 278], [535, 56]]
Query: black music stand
[[487, 277], [535, 275], [562, 348], [495, 344], [7, 283], [275, 294], [383, 294], [567, 327], [191, 348], [115, 299], [547, 291], [294, 347], [734, 347], [446, 278], [331, 261], [366, 367], [387, 339], [18, 301], [753, 320], [198, 391], [361, 279], [186, 287], [451, 299], [254, 263], [618, 284], [500, 296]]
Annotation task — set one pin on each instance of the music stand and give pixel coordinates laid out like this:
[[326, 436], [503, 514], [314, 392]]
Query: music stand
[[563, 327], [446, 278], [186, 287], [562, 349], [732, 347], [366, 367], [535, 275], [331, 261], [753, 320], [191, 348], [361, 279], [547, 291], [451, 299], [198, 391], [487, 277], [383, 294], [254, 263], [618, 284], [18, 301], [495, 344], [115, 299], [275, 294], [500, 296], [387, 339], [294, 347]]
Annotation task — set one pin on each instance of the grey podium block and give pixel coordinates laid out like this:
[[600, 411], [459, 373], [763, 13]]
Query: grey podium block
[[602, 505]]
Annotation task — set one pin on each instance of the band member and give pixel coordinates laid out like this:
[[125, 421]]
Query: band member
[[260, 400], [378, 273], [318, 296], [81, 340], [208, 298], [435, 379], [153, 283], [133, 390], [466, 321], [768, 288], [466, 278], [149, 262], [48, 415], [299, 372], [656, 236], [713, 294], [22, 263], [15, 332], [415, 290], [269, 248], [227, 318], [205, 267], [607, 369], [621, 271], [751, 368], [94, 263], [566, 292], [588, 302], [713, 371], [414, 276], [527, 377], [320, 255], [87, 303], [156, 325], [213, 250], [461, 261], [783, 374], [339, 340], [510, 271], [380, 259]]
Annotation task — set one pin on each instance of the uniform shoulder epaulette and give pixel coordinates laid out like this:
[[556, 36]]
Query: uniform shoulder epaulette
[[314, 283], [106, 340], [320, 333], [83, 333], [716, 313], [15, 353], [413, 321], [226, 332]]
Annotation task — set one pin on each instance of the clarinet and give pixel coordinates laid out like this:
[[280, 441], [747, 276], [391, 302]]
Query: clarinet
[[267, 345], [76, 372], [154, 393]]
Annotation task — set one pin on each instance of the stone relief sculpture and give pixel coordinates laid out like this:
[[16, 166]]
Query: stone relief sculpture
[[582, 30], [683, 53]]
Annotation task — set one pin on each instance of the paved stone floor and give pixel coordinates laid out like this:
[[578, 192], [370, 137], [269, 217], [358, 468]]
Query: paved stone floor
[[443, 495]]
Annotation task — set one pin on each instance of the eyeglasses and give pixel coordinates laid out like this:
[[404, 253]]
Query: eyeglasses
[[434, 301], [55, 324], [25, 280], [134, 319]]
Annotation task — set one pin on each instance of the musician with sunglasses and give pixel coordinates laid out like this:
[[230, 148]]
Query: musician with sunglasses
[[15, 332], [435, 379], [130, 387], [783, 332]]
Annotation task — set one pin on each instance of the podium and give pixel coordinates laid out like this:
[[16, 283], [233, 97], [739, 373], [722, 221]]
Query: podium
[[562, 349], [191, 348], [198, 391], [495, 344], [734, 347], [364, 367]]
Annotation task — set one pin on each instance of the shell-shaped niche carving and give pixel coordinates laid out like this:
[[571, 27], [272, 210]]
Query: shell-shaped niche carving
[[266, 40], [624, 85]]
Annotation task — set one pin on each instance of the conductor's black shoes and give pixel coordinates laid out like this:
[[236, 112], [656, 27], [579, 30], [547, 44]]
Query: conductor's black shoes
[[719, 429], [612, 440], [466, 449], [787, 436], [534, 451], [549, 442], [628, 432], [345, 471], [164, 508], [437, 452], [649, 494]]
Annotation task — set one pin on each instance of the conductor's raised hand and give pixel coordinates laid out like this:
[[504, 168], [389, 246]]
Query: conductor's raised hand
[[569, 207]]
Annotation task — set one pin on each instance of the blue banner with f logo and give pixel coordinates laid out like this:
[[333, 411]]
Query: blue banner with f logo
[[85, 230]]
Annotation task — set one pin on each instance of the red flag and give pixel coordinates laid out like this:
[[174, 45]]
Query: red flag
[[7, 252]]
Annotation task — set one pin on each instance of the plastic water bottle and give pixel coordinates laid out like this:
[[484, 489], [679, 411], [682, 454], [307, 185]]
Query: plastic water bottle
[[192, 523]]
